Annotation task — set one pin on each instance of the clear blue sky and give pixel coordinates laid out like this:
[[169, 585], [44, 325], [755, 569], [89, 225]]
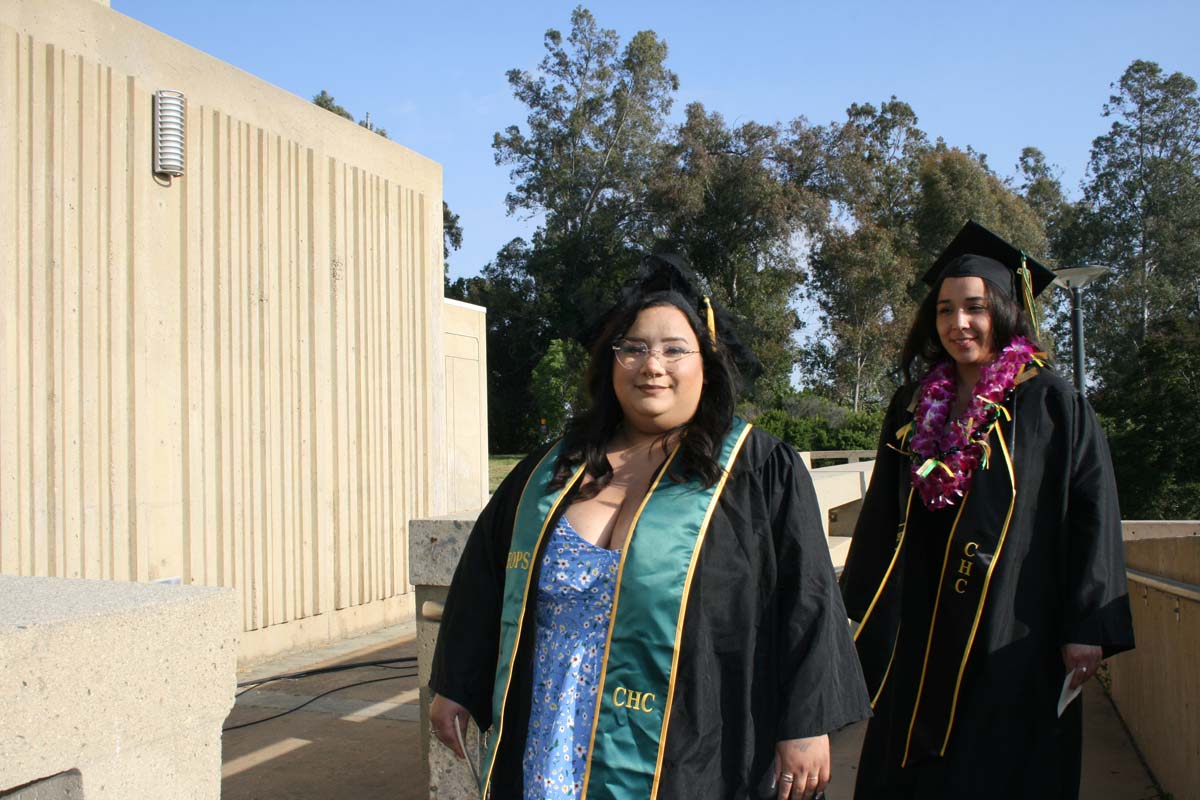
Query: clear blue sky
[[993, 76]]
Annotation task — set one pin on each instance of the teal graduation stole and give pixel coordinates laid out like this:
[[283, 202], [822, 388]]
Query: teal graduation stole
[[636, 681]]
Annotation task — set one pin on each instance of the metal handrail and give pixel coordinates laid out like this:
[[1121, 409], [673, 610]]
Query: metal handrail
[[1188, 591]]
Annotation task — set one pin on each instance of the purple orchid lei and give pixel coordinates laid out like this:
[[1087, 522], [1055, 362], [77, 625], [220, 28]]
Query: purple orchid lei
[[945, 456]]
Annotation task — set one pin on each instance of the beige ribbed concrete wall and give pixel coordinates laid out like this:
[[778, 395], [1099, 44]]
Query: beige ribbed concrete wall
[[234, 377], [465, 347]]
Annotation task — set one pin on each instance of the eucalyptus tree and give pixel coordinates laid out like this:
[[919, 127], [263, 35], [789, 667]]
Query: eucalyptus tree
[[725, 198], [1140, 212], [862, 264], [581, 162]]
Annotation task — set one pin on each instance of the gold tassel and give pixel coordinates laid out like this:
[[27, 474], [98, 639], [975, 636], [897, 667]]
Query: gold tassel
[[712, 322], [1027, 291]]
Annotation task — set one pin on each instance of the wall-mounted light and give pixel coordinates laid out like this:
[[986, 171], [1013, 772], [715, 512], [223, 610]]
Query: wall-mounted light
[[169, 132]]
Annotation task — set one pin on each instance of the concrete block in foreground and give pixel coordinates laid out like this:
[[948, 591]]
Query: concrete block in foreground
[[125, 685], [434, 547]]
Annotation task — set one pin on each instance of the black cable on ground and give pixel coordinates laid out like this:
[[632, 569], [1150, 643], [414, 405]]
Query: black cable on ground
[[326, 670], [312, 700]]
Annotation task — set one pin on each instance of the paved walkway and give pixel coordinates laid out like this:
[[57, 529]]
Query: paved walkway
[[360, 743], [363, 742]]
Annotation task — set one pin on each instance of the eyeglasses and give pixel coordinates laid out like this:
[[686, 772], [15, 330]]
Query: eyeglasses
[[631, 355]]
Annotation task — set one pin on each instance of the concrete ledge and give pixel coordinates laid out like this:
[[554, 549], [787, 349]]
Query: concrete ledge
[[127, 683], [835, 489], [1137, 529], [863, 469], [434, 546]]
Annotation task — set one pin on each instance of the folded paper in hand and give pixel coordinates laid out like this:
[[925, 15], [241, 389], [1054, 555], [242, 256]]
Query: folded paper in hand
[[1067, 694]]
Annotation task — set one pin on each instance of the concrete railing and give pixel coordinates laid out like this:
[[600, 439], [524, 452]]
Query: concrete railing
[[1133, 530], [1156, 687], [849, 456], [114, 690], [840, 490]]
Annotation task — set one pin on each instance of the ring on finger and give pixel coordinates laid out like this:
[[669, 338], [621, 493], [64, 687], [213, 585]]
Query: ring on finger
[[787, 777]]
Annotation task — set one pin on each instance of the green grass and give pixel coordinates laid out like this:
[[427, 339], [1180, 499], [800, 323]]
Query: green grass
[[498, 468]]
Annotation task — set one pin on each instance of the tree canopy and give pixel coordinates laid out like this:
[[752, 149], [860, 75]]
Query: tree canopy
[[816, 236], [1140, 213]]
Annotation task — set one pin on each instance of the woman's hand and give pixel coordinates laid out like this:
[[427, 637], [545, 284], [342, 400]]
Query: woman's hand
[[802, 768], [1083, 659], [442, 715]]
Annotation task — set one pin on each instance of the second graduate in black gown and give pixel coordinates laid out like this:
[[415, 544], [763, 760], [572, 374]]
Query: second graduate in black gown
[[987, 561]]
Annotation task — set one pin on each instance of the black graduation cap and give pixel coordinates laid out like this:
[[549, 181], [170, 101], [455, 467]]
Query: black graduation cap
[[668, 272], [977, 252]]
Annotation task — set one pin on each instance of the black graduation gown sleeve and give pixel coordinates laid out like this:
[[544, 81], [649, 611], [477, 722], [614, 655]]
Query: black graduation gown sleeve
[[464, 660], [1095, 601], [879, 518], [821, 684]]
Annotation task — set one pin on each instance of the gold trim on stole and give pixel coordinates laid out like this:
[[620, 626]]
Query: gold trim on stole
[[487, 785], [987, 579], [687, 588], [888, 670], [932, 623], [982, 597], [587, 772], [891, 566]]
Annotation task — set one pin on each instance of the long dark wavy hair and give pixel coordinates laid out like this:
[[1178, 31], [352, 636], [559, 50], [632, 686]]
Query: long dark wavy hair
[[588, 434], [923, 347]]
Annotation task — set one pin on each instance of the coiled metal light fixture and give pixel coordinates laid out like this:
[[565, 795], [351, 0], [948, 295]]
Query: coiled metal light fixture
[[169, 132]]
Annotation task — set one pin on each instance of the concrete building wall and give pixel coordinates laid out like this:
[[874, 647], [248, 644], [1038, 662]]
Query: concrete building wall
[[465, 349], [233, 377]]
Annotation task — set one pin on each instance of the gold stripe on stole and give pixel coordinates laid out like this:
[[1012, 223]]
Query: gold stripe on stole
[[891, 566], [587, 772], [888, 671], [687, 588], [988, 579], [982, 598], [516, 513], [525, 604], [932, 623]]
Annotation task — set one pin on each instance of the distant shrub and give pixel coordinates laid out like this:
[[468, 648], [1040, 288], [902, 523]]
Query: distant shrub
[[852, 431]]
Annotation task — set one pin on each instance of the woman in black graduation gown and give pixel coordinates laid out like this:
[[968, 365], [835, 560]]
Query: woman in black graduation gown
[[725, 644], [987, 563]]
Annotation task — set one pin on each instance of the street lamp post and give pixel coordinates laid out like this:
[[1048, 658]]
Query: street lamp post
[[1074, 279]]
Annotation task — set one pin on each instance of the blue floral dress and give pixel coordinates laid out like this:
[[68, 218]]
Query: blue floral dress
[[574, 603]]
